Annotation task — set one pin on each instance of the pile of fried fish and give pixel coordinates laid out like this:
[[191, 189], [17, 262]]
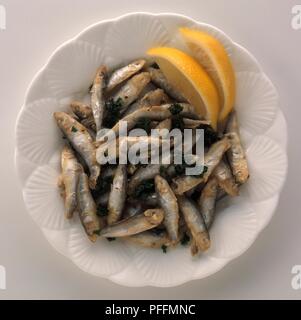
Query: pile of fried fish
[[152, 205]]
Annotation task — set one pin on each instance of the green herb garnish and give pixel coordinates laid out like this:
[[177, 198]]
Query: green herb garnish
[[157, 231], [164, 174], [144, 189], [164, 248], [97, 232], [155, 65], [73, 129], [177, 122], [185, 240], [102, 211], [113, 112], [145, 124], [210, 136], [175, 109], [111, 239], [180, 169], [103, 186], [163, 171]]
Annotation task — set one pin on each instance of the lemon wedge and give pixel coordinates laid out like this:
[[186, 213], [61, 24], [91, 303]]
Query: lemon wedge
[[211, 54], [187, 76]]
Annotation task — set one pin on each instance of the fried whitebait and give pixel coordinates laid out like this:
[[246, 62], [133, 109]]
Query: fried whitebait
[[159, 79], [195, 223], [168, 202], [152, 98], [97, 96], [212, 158], [207, 201], [150, 239], [225, 178], [150, 219], [81, 141], [124, 73], [118, 194], [71, 170], [131, 90], [87, 208], [236, 154]]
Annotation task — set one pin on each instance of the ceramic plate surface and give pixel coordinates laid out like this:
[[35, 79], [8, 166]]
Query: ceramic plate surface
[[68, 75]]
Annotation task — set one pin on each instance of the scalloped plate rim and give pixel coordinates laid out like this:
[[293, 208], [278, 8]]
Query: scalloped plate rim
[[126, 282]]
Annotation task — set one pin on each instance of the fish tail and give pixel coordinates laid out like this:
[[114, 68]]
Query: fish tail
[[94, 174]]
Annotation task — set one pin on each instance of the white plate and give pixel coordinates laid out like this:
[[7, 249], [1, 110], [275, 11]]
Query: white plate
[[67, 76]]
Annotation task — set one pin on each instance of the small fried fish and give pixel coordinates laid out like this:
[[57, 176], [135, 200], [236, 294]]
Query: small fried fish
[[207, 201], [87, 208], [149, 239], [81, 141], [159, 80], [195, 223], [212, 158], [131, 90], [152, 98], [71, 170], [82, 110], [150, 219], [124, 73], [168, 202], [236, 154], [117, 195], [97, 96], [157, 113], [225, 178]]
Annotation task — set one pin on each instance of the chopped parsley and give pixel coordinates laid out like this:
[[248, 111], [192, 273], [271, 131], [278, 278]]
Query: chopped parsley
[[180, 169], [164, 248], [111, 239], [144, 189], [210, 136], [162, 170], [97, 232], [73, 129], [157, 231], [155, 65], [103, 186], [145, 124], [177, 122], [185, 240], [102, 211], [164, 174], [112, 112], [175, 109]]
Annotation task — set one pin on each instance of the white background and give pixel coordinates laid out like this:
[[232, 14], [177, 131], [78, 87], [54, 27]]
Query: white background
[[34, 29]]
